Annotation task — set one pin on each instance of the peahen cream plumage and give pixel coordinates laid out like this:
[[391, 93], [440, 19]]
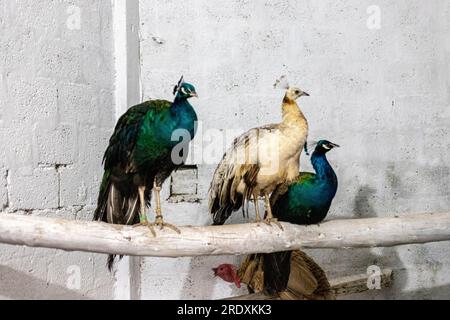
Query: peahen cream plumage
[[259, 161]]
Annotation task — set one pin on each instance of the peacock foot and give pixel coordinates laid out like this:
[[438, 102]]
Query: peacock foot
[[270, 221], [148, 225], [161, 224], [257, 221]]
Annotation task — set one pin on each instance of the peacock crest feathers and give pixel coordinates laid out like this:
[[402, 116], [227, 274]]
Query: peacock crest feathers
[[178, 86], [282, 83]]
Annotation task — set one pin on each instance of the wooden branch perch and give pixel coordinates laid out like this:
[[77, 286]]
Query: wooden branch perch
[[224, 240], [341, 286]]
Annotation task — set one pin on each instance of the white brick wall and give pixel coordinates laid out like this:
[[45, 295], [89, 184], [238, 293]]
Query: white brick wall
[[56, 115]]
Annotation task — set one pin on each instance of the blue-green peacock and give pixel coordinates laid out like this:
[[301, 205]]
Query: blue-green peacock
[[304, 202], [142, 153]]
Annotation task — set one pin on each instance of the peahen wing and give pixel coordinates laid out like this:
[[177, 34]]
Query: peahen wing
[[235, 177]]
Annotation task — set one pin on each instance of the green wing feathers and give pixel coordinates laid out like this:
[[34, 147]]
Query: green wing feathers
[[118, 200], [125, 136], [306, 177]]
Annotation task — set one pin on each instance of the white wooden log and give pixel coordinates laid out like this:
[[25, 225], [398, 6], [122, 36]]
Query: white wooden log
[[223, 240]]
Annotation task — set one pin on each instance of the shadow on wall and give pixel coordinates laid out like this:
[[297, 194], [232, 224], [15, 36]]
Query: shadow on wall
[[384, 258], [362, 207], [16, 285]]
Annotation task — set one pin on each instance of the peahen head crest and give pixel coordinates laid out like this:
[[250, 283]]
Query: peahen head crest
[[282, 83], [292, 93]]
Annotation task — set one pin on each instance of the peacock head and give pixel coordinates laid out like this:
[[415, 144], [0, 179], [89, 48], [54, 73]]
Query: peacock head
[[184, 90], [292, 93], [325, 146]]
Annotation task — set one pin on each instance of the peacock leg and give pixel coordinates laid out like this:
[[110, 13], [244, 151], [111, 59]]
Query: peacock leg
[[270, 218], [159, 217], [143, 212], [255, 201], [143, 219]]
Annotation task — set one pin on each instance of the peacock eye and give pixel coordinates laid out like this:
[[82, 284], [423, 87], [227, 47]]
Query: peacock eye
[[183, 90]]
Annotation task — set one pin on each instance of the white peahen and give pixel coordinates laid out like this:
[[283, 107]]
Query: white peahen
[[259, 161]]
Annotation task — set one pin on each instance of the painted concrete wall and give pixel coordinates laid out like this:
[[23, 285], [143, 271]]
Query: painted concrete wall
[[382, 93], [56, 114], [379, 87]]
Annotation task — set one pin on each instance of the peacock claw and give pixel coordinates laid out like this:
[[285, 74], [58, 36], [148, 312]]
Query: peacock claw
[[148, 225], [274, 221], [161, 224]]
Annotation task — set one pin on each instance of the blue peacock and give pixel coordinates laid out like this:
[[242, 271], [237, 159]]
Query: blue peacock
[[304, 202], [308, 200], [141, 155]]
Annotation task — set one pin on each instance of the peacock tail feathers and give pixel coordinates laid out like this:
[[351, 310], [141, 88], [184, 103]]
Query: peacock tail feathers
[[307, 200], [296, 276]]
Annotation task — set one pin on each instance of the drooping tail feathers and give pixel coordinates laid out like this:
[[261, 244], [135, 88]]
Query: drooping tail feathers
[[290, 275], [223, 213], [235, 178], [116, 207]]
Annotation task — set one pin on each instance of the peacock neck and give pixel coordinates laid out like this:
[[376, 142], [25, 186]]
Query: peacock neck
[[179, 102], [323, 169], [181, 106], [292, 114], [184, 115]]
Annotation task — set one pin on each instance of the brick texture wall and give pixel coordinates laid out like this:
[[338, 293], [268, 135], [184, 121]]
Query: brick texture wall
[[56, 114]]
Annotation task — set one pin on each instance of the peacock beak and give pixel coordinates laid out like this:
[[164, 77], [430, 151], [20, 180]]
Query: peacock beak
[[335, 145], [194, 95]]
